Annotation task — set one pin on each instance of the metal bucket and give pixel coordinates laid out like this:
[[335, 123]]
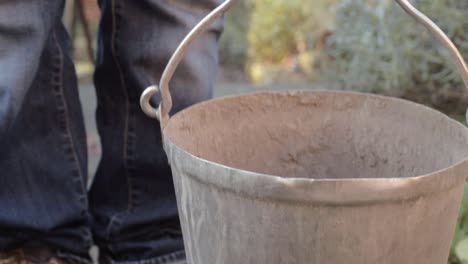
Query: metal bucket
[[314, 177]]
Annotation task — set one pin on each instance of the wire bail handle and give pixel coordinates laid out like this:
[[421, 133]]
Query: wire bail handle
[[162, 112]]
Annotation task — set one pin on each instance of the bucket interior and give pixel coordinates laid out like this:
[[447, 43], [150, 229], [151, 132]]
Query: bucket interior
[[320, 135]]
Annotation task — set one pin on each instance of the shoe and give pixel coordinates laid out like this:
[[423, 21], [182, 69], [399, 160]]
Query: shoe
[[31, 256]]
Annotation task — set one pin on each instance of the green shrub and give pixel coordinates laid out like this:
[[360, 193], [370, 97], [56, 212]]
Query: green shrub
[[233, 43], [459, 254], [376, 47], [283, 32]]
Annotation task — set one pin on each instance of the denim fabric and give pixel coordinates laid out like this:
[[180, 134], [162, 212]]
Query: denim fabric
[[130, 211]]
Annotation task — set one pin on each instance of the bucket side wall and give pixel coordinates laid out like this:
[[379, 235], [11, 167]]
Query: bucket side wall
[[222, 227]]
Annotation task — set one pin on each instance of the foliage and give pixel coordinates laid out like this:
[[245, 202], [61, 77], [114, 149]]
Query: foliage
[[233, 43], [376, 47], [283, 32], [459, 254]]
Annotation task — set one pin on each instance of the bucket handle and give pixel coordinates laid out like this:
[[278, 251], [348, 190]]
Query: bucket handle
[[162, 113]]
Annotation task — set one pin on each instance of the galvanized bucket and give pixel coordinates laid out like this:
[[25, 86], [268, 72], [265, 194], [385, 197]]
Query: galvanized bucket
[[314, 177]]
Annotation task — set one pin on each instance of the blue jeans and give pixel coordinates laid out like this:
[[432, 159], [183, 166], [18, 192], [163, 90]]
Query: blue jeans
[[130, 211]]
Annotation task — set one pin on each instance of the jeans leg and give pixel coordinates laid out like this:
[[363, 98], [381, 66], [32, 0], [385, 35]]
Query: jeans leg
[[132, 199], [43, 199]]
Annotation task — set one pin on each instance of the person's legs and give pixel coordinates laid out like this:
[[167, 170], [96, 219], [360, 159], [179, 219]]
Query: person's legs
[[43, 199], [132, 199]]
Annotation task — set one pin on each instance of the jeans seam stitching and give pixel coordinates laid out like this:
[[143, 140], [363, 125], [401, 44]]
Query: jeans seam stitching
[[115, 56], [69, 135], [114, 221]]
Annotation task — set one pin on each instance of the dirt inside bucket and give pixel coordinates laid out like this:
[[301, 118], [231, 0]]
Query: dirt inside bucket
[[320, 135]]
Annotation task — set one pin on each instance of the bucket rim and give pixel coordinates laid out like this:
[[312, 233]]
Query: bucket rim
[[256, 185]]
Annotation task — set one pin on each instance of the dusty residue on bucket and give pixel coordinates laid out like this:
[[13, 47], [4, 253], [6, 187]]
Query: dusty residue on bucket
[[319, 135]]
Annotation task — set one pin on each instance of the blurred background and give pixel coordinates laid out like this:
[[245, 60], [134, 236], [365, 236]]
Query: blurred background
[[361, 45]]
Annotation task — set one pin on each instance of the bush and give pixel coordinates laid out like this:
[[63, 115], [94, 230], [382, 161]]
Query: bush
[[283, 32], [459, 254], [233, 43], [376, 47]]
